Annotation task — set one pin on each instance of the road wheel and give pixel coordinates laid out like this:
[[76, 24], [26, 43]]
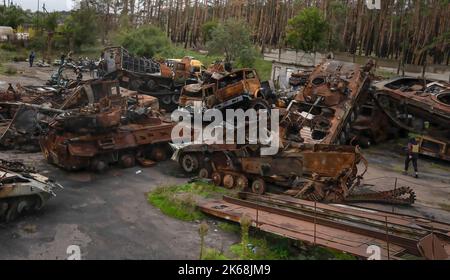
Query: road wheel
[[158, 153], [242, 182], [14, 210], [260, 104], [99, 165], [228, 181], [151, 84], [259, 186], [217, 178], [175, 98], [203, 173], [127, 161], [189, 163], [166, 100]]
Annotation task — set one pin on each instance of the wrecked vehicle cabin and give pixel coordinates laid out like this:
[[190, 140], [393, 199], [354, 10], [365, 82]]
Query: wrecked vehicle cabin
[[323, 111], [240, 88], [420, 106]]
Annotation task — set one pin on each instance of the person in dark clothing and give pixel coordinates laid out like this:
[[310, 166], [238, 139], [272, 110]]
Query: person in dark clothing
[[412, 155], [63, 59], [31, 58]]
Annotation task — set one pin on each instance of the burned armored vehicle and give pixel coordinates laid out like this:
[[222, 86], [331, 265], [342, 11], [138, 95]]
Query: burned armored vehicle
[[160, 79], [316, 172], [240, 88], [420, 106], [105, 133], [325, 108], [22, 190]]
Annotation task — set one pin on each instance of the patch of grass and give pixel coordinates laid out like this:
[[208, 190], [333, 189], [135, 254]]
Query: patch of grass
[[213, 255], [7, 70], [264, 68], [263, 249], [229, 227], [180, 201], [385, 74]]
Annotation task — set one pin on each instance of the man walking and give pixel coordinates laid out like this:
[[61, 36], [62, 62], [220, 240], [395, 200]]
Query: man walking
[[31, 58], [412, 155]]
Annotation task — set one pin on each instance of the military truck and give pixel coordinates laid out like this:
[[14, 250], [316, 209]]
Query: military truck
[[162, 79]]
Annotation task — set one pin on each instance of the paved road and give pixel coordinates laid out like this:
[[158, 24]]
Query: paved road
[[108, 217]]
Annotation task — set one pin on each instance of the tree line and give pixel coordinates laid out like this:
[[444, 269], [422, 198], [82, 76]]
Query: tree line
[[412, 31]]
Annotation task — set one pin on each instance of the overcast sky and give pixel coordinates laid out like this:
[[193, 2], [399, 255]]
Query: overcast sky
[[50, 5]]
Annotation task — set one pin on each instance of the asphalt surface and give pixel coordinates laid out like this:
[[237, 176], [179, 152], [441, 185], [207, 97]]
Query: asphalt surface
[[108, 217]]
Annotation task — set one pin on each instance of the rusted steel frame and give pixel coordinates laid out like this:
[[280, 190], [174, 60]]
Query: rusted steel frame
[[343, 216], [431, 226], [279, 230], [408, 244]]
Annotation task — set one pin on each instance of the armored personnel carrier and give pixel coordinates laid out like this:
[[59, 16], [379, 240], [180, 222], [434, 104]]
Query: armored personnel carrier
[[22, 190], [323, 111]]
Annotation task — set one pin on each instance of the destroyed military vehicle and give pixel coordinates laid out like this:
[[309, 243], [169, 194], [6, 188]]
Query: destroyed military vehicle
[[22, 190], [324, 110], [420, 106], [104, 133], [224, 90], [316, 172], [160, 79]]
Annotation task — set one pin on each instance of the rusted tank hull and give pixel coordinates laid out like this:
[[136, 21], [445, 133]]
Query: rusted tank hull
[[323, 111], [417, 105], [125, 145]]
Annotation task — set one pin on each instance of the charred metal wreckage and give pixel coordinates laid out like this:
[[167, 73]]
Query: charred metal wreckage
[[163, 79], [421, 106], [22, 189], [325, 108], [316, 172]]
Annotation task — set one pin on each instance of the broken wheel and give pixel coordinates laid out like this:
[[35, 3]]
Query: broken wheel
[[259, 186], [228, 181]]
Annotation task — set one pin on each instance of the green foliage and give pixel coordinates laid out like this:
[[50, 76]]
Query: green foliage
[[179, 201], [213, 255], [51, 21], [307, 30], [12, 16], [147, 41], [207, 30], [8, 47], [234, 41], [80, 28], [262, 249]]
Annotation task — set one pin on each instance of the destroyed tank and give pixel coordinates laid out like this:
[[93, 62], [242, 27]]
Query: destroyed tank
[[421, 106], [22, 190], [316, 172], [97, 136], [323, 111]]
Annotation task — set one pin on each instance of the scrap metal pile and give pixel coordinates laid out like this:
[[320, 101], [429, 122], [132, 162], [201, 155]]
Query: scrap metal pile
[[22, 189]]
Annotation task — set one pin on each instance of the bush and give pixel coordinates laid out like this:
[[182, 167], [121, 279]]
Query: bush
[[8, 47], [147, 41]]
